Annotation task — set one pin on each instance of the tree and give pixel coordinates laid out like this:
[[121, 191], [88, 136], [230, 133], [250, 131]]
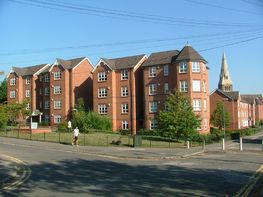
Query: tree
[[3, 117], [220, 117], [86, 120], [16, 110], [3, 91], [178, 119]]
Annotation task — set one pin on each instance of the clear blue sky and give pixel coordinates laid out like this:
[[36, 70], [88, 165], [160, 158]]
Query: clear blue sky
[[38, 31]]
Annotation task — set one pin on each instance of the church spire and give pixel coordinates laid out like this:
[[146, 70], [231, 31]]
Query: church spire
[[225, 82]]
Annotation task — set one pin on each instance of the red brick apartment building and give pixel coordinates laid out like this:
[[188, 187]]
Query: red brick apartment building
[[244, 110], [22, 85], [117, 91], [241, 114], [55, 88], [185, 71]]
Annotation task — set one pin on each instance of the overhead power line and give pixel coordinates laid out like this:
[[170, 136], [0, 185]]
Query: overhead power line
[[222, 7], [125, 15], [217, 46], [215, 36]]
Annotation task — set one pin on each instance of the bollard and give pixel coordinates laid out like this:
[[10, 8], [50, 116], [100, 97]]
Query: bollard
[[203, 145], [223, 144], [240, 144], [187, 144]]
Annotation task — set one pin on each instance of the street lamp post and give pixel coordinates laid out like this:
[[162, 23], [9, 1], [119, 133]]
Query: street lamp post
[[224, 124]]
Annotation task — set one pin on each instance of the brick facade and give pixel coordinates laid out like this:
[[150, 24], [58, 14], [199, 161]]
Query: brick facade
[[117, 91]]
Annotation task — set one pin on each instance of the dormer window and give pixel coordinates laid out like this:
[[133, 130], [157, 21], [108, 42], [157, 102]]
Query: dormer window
[[183, 67], [57, 75]]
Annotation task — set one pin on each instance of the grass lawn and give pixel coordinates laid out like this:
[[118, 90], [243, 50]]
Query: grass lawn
[[91, 139]]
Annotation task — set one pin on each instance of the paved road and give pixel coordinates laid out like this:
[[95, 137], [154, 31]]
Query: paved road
[[60, 170]]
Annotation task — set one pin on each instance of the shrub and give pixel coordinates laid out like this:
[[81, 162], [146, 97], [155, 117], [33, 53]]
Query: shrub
[[62, 127]]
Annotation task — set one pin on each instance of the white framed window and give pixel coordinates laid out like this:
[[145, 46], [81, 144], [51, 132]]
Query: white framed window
[[12, 94], [57, 104], [166, 88], [57, 75], [28, 80], [40, 78], [47, 104], [165, 70], [12, 81], [102, 92], [153, 124], [124, 74], [47, 91], [124, 91], [124, 108], [183, 67], [204, 86], [205, 105], [152, 89], [125, 124], [47, 77], [102, 76], [153, 107], [57, 89], [102, 109], [196, 85], [47, 118], [28, 106], [152, 71], [27, 93], [197, 105], [57, 119], [196, 67], [183, 86]]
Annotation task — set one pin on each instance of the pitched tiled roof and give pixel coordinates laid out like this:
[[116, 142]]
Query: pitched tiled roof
[[234, 95], [259, 101], [124, 62], [71, 63], [253, 97], [188, 53], [28, 70], [159, 58]]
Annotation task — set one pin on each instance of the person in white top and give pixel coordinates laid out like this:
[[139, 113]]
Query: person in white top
[[75, 136]]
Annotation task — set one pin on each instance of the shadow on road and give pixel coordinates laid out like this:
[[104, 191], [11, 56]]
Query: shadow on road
[[106, 178]]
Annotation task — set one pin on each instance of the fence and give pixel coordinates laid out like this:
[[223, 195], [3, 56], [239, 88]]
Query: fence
[[96, 139]]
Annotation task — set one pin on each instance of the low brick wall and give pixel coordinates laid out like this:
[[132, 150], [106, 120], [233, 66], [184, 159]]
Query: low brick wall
[[35, 131]]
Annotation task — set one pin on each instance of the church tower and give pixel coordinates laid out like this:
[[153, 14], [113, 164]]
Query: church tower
[[225, 82]]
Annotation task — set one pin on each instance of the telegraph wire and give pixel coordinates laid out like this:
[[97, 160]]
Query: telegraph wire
[[125, 16], [235, 34], [222, 7], [202, 50]]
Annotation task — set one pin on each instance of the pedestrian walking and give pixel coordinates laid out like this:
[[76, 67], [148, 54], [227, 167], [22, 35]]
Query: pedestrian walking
[[75, 136]]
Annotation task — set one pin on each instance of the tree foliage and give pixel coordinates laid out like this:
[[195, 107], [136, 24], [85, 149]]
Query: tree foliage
[[14, 111], [220, 116], [86, 120], [178, 119], [3, 91], [3, 117]]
